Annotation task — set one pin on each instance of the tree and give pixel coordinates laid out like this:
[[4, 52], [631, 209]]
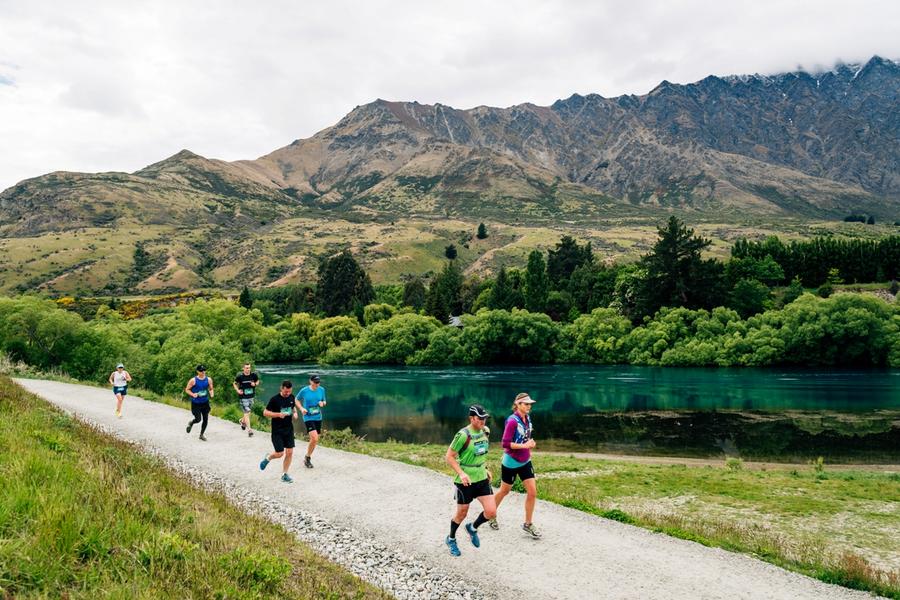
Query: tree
[[592, 285], [501, 292], [793, 291], [482, 231], [749, 297], [676, 274], [443, 298], [414, 293], [245, 299], [559, 305], [537, 284], [343, 286], [564, 259], [450, 252]]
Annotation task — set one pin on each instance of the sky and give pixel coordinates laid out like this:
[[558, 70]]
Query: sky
[[115, 86]]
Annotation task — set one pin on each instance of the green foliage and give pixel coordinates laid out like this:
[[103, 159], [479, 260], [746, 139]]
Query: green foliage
[[592, 285], [389, 294], [343, 286], [414, 294], [330, 332], [498, 336], [450, 252], [564, 259], [372, 313], [482, 232], [598, 337], [392, 341], [537, 283], [503, 293], [749, 297], [287, 299], [676, 274], [245, 300], [793, 291], [765, 270], [559, 305], [443, 298]]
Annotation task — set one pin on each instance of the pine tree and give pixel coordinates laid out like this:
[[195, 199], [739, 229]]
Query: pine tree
[[501, 292], [245, 299], [450, 252], [443, 298], [537, 284], [482, 231], [414, 293], [564, 259], [343, 287]]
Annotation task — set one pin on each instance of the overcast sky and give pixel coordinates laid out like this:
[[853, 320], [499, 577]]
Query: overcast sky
[[112, 85]]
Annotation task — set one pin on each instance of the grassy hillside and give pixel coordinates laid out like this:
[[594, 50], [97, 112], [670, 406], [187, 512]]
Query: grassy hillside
[[85, 516]]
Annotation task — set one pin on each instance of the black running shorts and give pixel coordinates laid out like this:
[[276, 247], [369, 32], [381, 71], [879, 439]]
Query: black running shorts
[[282, 439], [313, 425], [466, 493], [508, 475]]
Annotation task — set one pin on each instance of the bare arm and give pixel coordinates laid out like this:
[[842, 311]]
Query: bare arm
[[127, 376], [111, 377], [211, 392], [452, 459], [188, 387]]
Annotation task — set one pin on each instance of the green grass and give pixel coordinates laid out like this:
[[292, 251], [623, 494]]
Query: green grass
[[839, 526], [85, 516]]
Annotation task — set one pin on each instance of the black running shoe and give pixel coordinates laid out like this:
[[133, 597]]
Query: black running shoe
[[190, 426], [202, 438], [307, 463]]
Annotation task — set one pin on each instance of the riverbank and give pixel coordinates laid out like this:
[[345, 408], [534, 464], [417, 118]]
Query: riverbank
[[835, 523], [368, 497], [86, 515]]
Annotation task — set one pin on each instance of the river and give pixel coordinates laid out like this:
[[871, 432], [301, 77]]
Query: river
[[788, 415]]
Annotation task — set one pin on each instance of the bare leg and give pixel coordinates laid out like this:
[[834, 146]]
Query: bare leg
[[489, 506], [530, 497], [313, 442], [499, 496], [288, 457]]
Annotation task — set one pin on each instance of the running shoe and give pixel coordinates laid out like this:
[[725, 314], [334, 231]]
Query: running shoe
[[119, 414], [287, 478], [494, 524], [190, 426], [307, 463], [473, 533], [202, 438], [451, 543], [530, 529], [250, 433], [243, 427], [264, 463]]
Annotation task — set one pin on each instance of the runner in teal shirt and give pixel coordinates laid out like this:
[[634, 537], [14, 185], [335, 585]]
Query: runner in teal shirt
[[312, 401]]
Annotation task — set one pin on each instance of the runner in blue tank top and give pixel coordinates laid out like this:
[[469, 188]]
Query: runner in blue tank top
[[311, 401], [200, 389]]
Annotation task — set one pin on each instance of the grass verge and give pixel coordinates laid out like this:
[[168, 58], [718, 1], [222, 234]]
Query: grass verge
[[83, 515], [839, 526]]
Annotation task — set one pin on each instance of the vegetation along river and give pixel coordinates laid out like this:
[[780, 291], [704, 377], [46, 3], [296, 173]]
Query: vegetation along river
[[786, 415]]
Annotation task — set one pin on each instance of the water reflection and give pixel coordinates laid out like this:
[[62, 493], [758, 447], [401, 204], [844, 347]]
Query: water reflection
[[844, 415]]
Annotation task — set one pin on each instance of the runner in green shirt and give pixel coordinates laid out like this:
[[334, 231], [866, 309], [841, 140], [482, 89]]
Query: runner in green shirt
[[467, 455]]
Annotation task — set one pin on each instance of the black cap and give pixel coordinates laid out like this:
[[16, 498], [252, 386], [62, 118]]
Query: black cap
[[201, 368], [477, 410], [315, 378]]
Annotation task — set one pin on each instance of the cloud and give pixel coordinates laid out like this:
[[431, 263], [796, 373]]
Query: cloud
[[105, 85]]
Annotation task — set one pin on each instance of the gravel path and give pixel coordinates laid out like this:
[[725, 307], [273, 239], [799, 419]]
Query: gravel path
[[386, 521]]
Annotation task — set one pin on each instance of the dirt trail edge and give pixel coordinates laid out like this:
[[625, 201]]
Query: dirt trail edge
[[409, 508]]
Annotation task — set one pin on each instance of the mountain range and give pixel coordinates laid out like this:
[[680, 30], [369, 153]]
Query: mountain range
[[796, 146]]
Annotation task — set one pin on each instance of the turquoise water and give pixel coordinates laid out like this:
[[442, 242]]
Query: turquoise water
[[781, 414]]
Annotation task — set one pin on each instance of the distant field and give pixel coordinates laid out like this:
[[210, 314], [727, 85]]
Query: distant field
[[86, 261]]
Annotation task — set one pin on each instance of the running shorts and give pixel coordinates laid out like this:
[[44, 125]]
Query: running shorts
[[282, 439], [508, 475], [466, 493], [313, 425]]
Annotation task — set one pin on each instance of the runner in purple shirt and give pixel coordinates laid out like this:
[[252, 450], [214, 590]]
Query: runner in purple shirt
[[517, 445]]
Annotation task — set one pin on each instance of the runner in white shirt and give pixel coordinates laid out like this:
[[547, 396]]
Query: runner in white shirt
[[119, 380]]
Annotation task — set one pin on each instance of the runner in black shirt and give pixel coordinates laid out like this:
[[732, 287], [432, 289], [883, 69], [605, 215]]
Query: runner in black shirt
[[245, 386], [282, 410]]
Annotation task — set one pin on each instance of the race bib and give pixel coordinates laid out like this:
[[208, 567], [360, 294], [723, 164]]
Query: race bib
[[202, 393], [480, 448], [314, 410], [287, 410], [248, 392]]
